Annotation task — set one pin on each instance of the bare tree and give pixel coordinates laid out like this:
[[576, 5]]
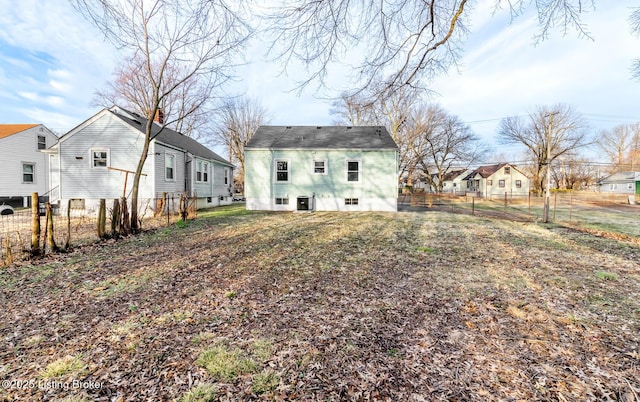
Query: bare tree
[[440, 142], [174, 43], [569, 132], [621, 146], [185, 107], [635, 27], [237, 121], [353, 110], [404, 41]]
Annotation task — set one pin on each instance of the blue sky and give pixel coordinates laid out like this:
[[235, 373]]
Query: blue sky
[[53, 61]]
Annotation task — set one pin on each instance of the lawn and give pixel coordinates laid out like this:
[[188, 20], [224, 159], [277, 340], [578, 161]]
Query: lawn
[[406, 306]]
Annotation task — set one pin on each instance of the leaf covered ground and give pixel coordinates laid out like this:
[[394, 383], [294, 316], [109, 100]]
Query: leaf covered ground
[[328, 306]]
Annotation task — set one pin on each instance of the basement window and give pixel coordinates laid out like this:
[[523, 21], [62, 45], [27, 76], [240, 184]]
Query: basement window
[[282, 201], [351, 201]]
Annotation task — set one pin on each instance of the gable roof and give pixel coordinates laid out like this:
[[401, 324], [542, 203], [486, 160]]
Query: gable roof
[[327, 137], [10, 129], [488, 170], [168, 136], [621, 176], [451, 175]]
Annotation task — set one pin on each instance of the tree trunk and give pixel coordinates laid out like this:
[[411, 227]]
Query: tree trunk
[[125, 224], [102, 219], [136, 179], [115, 217]]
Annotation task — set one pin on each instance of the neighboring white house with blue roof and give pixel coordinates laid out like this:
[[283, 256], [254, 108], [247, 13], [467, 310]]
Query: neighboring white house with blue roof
[[91, 162], [331, 168]]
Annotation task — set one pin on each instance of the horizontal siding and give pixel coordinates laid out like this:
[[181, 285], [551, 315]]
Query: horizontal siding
[[378, 176], [162, 184], [19, 148], [79, 179]]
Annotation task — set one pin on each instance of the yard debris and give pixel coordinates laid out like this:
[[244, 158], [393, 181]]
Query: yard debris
[[330, 306]]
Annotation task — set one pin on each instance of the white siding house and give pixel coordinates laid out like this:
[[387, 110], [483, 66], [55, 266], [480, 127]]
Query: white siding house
[[290, 168], [621, 183], [97, 159], [497, 180], [24, 166]]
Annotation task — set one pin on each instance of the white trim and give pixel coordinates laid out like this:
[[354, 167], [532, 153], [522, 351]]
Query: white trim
[[92, 160], [325, 162], [359, 171], [174, 170], [33, 173], [275, 170]]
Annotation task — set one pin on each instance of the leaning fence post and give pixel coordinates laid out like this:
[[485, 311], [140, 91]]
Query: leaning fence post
[[67, 243], [35, 225], [51, 242]]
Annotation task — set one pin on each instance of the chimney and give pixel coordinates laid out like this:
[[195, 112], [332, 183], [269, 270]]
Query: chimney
[[159, 117]]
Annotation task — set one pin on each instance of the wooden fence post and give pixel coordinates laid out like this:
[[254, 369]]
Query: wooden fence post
[[67, 243], [35, 225], [115, 217], [8, 258], [125, 225], [102, 218], [51, 242]]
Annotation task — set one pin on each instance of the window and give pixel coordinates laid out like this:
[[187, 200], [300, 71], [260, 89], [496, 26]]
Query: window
[[507, 170], [518, 183], [490, 182], [353, 171], [28, 172], [202, 171], [319, 167], [612, 186], [350, 201], [501, 183], [42, 142], [282, 170], [282, 201], [76, 203], [226, 176], [99, 158], [629, 186], [169, 167]]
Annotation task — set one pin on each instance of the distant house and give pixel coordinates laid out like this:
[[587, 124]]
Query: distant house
[[97, 159], [24, 166], [497, 180], [621, 183], [331, 168], [453, 181]]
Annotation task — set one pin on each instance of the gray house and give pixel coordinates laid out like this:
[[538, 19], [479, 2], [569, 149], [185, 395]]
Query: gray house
[[321, 168], [97, 159], [621, 183], [24, 166], [497, 180]]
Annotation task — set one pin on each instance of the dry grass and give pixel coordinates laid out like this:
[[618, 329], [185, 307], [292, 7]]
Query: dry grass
[[334, 306]]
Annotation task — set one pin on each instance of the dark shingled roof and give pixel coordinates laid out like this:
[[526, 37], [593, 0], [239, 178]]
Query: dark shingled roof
[[327, 137], [171, 137]]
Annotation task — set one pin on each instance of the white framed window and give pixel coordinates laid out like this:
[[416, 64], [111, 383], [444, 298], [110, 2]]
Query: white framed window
[[282, 201], [202, 171], [226, 176], [507, 170], [501, 183], [28, 172], [169, 167], [42, 142], [353, 170], [99, 158], [351, 201], [320, 166], [282, 170], [629, 186], [518, 183]]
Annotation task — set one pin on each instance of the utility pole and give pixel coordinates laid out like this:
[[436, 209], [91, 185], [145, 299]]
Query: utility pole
[[547, 193]]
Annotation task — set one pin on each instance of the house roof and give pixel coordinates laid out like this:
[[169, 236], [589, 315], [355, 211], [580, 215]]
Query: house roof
[[168, 136], [486, 171], [451, 175], [326, 137], [621, 177], [10, 129]]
